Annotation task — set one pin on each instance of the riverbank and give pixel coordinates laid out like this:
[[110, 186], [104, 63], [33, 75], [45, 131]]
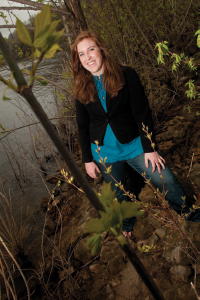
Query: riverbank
[[109, 275]]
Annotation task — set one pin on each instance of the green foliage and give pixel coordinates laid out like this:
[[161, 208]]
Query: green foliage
[[61, 96], [23, 33], [191, 93], [41, 80], [112, 218], [95, 242], [50, 53], [146, 248], [162, 50], [43, 44], [198, 37]]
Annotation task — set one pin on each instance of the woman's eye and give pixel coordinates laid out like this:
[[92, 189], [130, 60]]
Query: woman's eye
[[91, 49], [80, 54]]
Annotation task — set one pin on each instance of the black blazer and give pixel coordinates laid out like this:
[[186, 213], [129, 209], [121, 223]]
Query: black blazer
[[125, 114]]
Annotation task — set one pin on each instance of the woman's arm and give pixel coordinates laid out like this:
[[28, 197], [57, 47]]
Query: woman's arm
[[140, 108], [142, 115]]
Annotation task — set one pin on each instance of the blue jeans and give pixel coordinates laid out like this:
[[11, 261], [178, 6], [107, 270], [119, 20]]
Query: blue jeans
[[172, 185]]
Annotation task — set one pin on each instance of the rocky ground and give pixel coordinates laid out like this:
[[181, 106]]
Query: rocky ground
[[110, 275]]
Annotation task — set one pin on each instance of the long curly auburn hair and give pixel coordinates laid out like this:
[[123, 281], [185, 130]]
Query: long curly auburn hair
[[84, 86]]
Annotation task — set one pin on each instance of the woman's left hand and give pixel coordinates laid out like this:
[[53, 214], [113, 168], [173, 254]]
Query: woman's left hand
[[156, 161]]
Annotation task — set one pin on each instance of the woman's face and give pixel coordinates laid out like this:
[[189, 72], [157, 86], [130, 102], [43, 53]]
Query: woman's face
[[90, 56]]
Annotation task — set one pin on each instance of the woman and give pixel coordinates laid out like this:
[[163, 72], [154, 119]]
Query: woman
[[111, 107]]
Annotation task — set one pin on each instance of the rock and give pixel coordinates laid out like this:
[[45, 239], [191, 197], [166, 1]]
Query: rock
[[154, 222], [82, 252], [160, 233], [192, 229], [164, 284], [142, 228], [186, 293], [180, 273], [109, 250], [147, 195], [178, 255], [115, 282], [171, 294], [176, 130], [115, 265], [84, 278], [106, 293], [153, 240], [96, 268], [85, 275]]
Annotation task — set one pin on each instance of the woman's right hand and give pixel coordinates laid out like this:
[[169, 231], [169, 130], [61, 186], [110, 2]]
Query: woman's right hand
[[90, 169]]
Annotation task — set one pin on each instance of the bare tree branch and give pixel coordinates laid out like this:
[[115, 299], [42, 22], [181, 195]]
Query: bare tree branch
[[30, 27], [19, 8], [65, 23], [39, 5], [142, 33]]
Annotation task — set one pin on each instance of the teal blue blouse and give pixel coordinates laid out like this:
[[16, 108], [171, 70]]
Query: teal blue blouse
[[112, 148]]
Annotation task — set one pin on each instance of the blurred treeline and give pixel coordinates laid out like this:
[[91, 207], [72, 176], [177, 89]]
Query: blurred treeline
[[131, 29], [159, 20]]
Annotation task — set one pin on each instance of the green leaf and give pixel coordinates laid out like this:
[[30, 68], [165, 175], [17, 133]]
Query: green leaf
[[93, 239], [42, 20], [37, 53], [198, 41], [130, 209], [121, 239], [44, 37], [197, 32], [95, 248], [26, 71], [95, 226], [112, 213], [107, 220], [41, 80], [107, 195], [117, 209], [52, 39], [23, 34], [50, 53]]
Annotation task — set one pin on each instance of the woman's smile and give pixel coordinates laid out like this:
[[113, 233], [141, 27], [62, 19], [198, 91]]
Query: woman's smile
[[90, 56]]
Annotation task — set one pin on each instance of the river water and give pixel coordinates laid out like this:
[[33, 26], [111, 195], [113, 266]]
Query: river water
[[16, 149]]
